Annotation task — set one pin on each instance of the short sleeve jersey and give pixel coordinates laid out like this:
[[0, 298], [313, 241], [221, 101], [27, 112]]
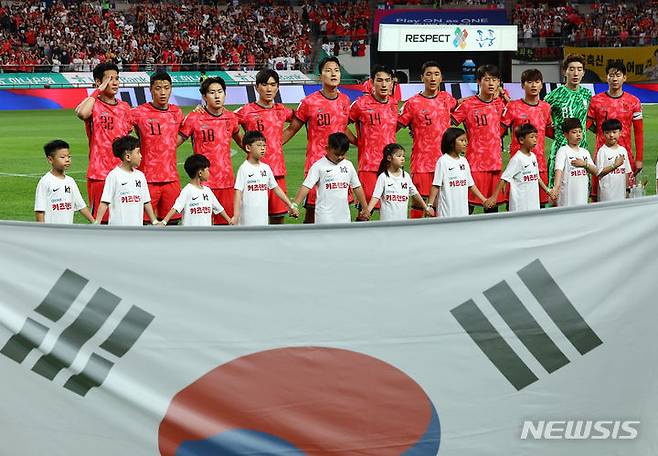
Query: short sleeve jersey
[[428, 119], [566, 103], [158, 133], [254, 181], [197, 205], [453, 176], [211, 136], [58, 198], [625, 108], [612, 186], [126, 193], [522, 173], [322, 116], [270, 122], [376, 124], [394, 193], [107, 122], [334, 181], [482, 121], [519, 112], [575, 180]]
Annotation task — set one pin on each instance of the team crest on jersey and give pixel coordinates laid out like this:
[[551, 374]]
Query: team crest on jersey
[[263, 173], [343, 169], [205, 197], [67, 189], [138, 183], [462, 166], [404, 185]]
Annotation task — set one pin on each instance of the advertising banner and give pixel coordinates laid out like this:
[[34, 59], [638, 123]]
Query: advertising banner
[[443, 38], [641, 63], [439, 17], [510, 334]]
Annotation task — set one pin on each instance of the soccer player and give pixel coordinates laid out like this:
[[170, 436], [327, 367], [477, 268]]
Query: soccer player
[[106, 118], [211, 131], [197, 202], [481, 116], [269, 118], [452, 177], [620, 105], [157, 125], [57, 196], [522, 173], [531, 110], [253, 183], [375, 116], [572, 163], [126, 192], [394, 187], [427, 115], [323, 112], [568, 101], [613, 163], [394, 90], [334, 175]]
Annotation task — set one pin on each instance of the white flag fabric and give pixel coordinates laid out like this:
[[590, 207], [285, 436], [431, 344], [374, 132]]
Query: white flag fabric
[[512, 334]]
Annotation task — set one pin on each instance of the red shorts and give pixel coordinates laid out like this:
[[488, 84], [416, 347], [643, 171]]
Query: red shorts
[[276, 207], [94, 193], [163, 197], [225, 197], [368, 180], [486, 182], [543, 196], [423, 182], [311, 197]]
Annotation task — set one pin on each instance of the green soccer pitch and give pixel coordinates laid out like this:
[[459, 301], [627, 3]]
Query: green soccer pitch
[[24, 133]]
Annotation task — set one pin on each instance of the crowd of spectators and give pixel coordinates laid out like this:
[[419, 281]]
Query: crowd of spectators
[[76, 35], [600, 24]]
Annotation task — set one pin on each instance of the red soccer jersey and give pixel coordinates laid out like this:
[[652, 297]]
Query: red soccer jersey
[[428, 118], [270, 122], [482, 122], [211, 136], [376, 124], [625, 108], [158, 132], [106, 123], [322, 116], [518, 112]]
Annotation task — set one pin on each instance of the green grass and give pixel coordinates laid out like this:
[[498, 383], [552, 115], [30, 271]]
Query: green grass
[[24, 133]]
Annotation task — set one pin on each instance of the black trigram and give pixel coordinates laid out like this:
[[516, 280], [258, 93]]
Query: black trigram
[[556, 304], [90, 320]]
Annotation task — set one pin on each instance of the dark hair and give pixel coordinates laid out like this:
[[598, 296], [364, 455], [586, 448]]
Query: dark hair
[[101, 68], [429, 64], [265, 74], [195, 163], [531, 75], [159, 75], [572, 58], [124, 144], [339, 142], [611, 124], [524, 130], [380, 69], [389, 150], [205, 85], [491, 70], [617, 65], [326, 60], [450, 138], [251, 137], [570, 123], [53, 146]]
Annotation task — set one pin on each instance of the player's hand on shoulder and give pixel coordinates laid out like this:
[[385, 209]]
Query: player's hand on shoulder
[[198, 108]]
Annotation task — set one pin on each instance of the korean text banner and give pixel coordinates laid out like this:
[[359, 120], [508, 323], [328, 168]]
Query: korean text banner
[[641, 64], [490, 335]]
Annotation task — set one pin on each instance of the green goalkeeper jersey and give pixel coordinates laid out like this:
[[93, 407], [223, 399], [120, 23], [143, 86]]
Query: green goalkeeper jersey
[[566, 103]]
